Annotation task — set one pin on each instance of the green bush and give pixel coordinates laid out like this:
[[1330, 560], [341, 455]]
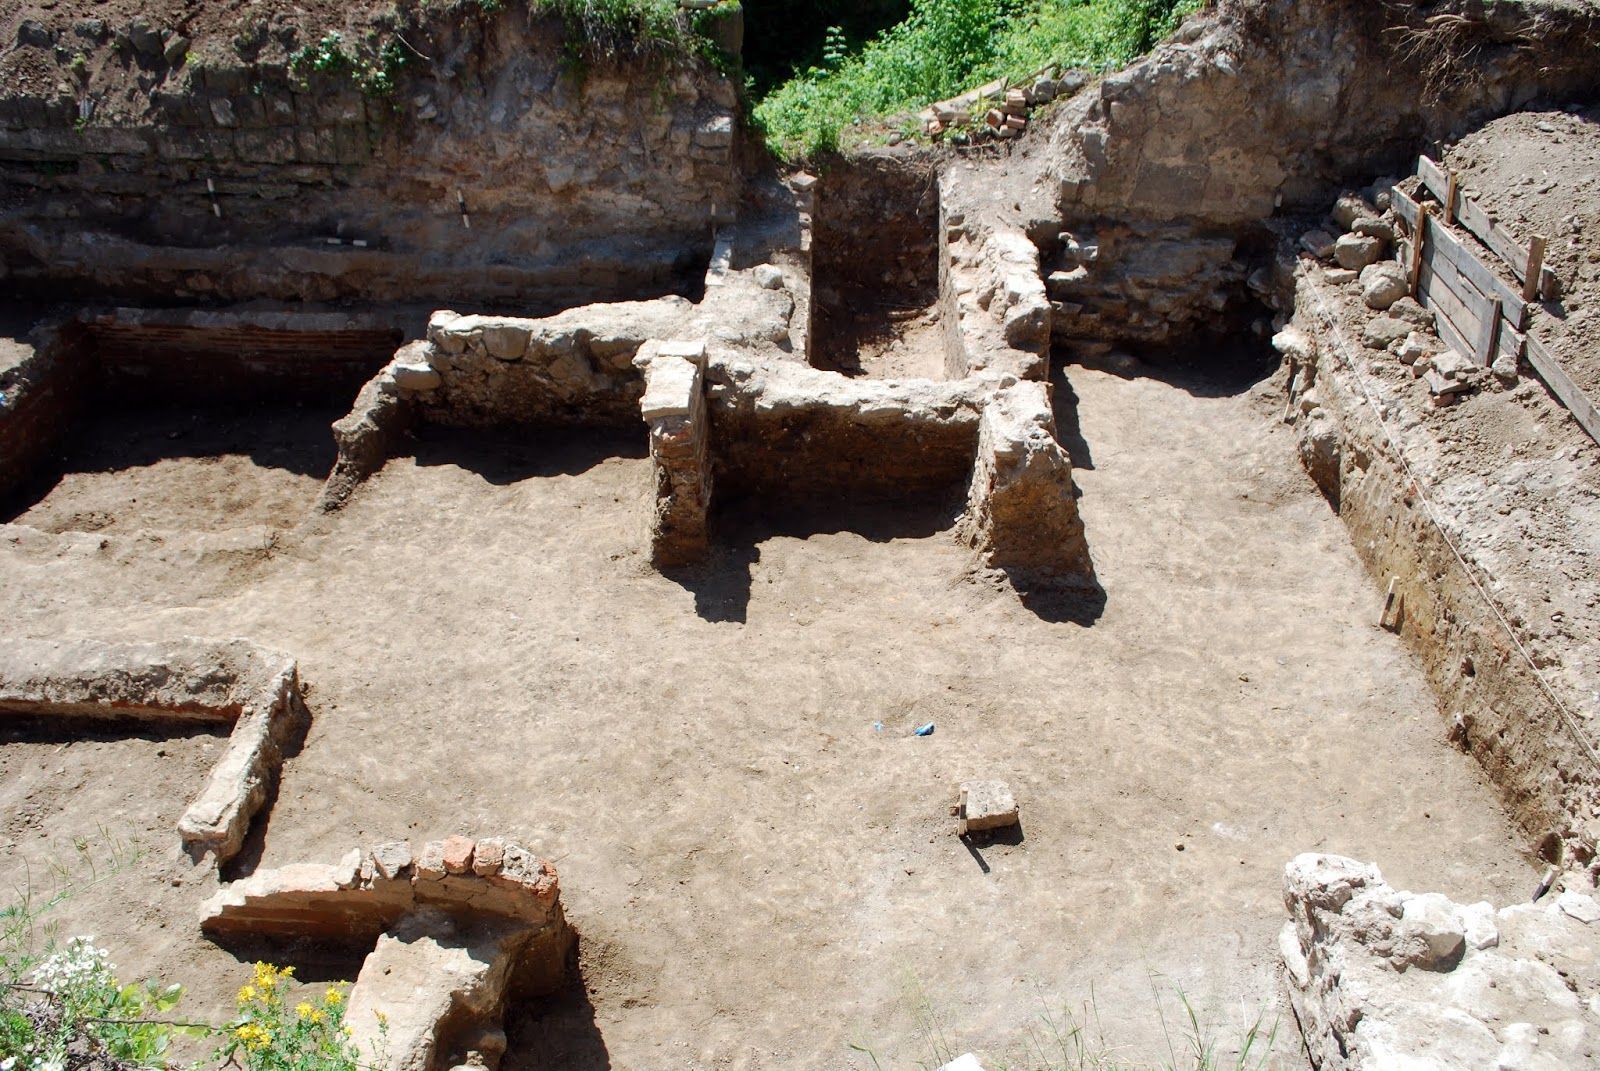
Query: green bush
[[62, 1006], [55, 997], [948, 46]]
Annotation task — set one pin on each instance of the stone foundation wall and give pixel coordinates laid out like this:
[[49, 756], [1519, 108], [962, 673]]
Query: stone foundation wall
[[255, 691], [674, 408], [783, 432], [993, 305], [573, 368], [42, 385], [1022, 506], [1381, 978], [221, 172]]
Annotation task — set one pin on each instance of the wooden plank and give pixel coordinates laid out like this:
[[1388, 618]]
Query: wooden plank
[[1530, 275], [1445, 288], [1511, 343], [1447, 331], [1479, 223], [1451, 317], [1488, 334], [1561, 385], [1405, 208], [1433, 177], [1549, 285], [1496, 237], [1470, 267], [1418, 244]]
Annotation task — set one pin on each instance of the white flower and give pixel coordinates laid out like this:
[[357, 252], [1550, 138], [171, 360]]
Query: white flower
[[8, 1063]]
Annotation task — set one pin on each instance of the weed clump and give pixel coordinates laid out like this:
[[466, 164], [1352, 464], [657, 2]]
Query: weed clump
[[947, 46]]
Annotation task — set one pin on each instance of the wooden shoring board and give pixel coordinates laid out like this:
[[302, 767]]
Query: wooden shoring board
[[1579, 404], [1442, 290], [1441, 243], [1465, 312], [1484, 227]]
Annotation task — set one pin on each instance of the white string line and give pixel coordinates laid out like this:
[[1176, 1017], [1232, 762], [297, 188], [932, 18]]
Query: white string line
[[1343, 347]]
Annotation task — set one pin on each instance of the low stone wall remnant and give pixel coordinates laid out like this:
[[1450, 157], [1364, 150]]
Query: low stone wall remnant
[[1382, 979], [458, 928], [235, 683], [674, 408]]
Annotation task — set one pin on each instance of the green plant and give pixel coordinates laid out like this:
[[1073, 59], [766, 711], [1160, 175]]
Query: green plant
[[58, 998], [374, 68], [945, 47], [1069, 1042], [269, 1035]]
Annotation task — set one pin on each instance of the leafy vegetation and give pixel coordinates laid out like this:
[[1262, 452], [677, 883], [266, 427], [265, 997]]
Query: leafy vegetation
[[62, 1006], [947, 46], [375, 70], [268, 1035]]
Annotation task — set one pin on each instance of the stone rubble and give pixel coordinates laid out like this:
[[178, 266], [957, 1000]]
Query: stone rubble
[[1383, 980]]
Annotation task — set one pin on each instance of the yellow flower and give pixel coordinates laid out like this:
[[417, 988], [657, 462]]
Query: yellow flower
[[383, 1020], [303, 1010], [247, 994], [333, 997], [317, 1016], [254, 1036], [266, 977]]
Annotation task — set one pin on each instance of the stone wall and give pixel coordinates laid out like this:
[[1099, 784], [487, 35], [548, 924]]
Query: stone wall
[[237, 684], [457, 928], [674, 409], [42, 383], [488, 172], [1152, 198], [1022, 506], [786, 433], [993, 305], [1381, 978]]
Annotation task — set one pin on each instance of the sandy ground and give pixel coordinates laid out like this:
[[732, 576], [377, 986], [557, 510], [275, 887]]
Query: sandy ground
[[761, 877], [882, 343], [201, 469]]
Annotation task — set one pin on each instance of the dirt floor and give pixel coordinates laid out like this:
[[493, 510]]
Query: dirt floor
[[760, 874], [176, 468], [1539, 173], [887, 343]]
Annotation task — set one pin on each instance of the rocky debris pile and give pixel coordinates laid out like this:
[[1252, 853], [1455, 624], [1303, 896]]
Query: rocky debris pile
[[1359, 262], [998, 110], [1383, 979], [460, 926], [255, 690]]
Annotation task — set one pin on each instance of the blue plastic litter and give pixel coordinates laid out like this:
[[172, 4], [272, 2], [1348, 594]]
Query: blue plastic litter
[[877, 726], [923, 730]]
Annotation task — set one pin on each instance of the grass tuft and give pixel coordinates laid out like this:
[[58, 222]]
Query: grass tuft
[[948, 46]]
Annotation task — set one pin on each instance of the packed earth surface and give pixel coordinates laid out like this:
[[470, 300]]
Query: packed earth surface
[[485, 647], [627, 546]]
